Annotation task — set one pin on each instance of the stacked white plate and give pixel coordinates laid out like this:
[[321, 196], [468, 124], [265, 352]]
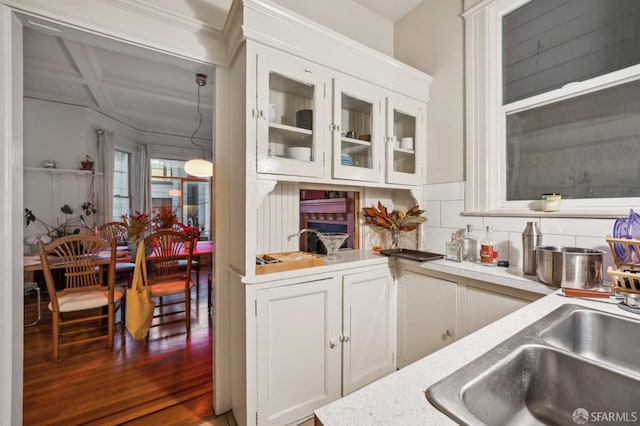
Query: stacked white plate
[[346, 160], [299, 153]]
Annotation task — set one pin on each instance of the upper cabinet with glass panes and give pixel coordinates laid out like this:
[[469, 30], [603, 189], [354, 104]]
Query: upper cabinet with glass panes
[[313, 122], [290, 99]]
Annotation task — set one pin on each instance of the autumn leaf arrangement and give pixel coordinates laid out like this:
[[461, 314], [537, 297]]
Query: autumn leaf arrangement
[[397, 220]]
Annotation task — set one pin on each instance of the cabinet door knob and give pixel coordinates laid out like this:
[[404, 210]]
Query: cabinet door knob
[[332, 344], [449, 333]]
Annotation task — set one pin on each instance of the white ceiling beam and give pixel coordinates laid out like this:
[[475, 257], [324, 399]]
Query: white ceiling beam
[[88, 68]]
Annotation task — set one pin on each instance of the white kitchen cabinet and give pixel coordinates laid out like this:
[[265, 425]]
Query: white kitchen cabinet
[[406, 140], [369, 328], [358, 124], [291, 115], [428, 315], [485, 306], [314, 122], [298, 349], [319, 340]]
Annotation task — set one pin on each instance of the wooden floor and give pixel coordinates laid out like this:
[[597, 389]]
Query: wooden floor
[[165, 382]]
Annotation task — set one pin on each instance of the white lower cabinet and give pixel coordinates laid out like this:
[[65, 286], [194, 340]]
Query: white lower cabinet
[[485, 306], [298, 349], [434, 311], [428, 319], [319, 340], [369, 316]]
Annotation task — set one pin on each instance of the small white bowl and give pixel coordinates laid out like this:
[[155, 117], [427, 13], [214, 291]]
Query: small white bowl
[[299, 153]]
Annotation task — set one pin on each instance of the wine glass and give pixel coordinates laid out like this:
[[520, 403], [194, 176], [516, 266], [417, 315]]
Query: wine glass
[[332, 242]]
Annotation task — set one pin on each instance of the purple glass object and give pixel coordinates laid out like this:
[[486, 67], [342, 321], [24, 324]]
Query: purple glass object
[[620, 231], [633, 231]]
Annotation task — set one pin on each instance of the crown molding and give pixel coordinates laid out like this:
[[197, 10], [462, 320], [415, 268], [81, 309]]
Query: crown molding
[[166, 16]]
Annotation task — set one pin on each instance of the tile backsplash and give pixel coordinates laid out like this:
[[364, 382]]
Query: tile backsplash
[[445, 204]]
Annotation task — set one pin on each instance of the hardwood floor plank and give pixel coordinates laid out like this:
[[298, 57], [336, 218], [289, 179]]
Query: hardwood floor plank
[[165, 381]]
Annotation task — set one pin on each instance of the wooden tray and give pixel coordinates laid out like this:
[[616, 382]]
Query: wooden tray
[[287, 261]]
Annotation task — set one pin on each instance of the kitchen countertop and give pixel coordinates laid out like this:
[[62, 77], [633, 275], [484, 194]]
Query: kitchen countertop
[[350, 259], [399, 399], [509, 277]]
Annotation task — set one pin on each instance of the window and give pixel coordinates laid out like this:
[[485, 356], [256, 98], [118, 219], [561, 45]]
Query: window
[[170, 184], [558, 110], [121, 186]]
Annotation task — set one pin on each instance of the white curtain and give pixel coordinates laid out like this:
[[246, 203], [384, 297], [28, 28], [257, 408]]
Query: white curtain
[[145, 180], [105, 166]]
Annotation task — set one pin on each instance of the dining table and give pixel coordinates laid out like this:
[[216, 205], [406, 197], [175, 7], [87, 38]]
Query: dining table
[[32, 263]]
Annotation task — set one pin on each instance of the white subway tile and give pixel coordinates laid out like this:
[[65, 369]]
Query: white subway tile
[[509, 224], [578, 227], [432, 213], [451, 217], [515, 249], [558, 240], [434, 239], [444, 191]]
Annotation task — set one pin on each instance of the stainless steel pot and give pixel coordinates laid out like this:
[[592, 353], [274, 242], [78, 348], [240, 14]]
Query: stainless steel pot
[[569, 266]]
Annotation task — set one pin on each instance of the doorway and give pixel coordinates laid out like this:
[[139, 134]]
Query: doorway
[[159, 135]]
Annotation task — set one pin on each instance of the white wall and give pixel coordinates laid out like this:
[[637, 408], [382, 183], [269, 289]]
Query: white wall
[[445, 203], [348, 18], [430, 38]]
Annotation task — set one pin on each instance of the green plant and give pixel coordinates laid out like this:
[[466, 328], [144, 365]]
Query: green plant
[[88, 208], [60, 229]]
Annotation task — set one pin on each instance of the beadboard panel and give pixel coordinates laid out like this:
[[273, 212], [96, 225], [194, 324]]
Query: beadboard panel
[[278, 220]]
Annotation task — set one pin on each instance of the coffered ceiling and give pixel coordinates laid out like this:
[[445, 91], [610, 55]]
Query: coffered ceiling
[[148, 91]]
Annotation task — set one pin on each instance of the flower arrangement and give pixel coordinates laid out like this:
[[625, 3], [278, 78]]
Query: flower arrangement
[[136, 224], [165, 216], [396, 221], [402, 221], [191, 231]]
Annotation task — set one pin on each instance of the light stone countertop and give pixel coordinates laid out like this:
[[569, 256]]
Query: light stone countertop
[[399, 399], [509, 277]]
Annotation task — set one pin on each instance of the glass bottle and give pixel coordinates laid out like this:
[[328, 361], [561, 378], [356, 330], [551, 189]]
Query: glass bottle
[[453, 248], [488, 250], [470, 246]]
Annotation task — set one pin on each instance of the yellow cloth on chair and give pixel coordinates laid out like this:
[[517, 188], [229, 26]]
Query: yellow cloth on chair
[[139, 304]]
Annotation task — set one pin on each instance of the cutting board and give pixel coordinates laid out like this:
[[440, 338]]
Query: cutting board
[[287, 261]]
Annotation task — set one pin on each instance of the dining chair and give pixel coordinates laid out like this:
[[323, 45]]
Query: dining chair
[[195, 262], [164, 251], [30, 286], [117, 231], [83, 290]]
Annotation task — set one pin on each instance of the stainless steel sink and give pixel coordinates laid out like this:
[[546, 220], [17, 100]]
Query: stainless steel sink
[[544, 373], [599, 336]]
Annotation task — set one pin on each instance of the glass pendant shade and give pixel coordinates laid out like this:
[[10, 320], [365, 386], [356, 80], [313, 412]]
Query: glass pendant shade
[[199, 167]]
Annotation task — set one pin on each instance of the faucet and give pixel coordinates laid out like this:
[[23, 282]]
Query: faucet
[[302, 231]]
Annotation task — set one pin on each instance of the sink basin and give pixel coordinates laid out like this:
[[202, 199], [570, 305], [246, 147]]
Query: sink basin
[[572, 358], [598, 336], [542, 385]]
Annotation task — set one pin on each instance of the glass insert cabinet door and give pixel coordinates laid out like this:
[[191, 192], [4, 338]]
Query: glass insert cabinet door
[[357, 131], [290, 118], [405, 141]]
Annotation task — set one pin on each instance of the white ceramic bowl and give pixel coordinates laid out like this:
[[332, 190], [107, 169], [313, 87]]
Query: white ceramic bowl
[[299, 153]]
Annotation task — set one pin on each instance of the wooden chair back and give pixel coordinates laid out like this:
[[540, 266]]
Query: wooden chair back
[[168, 248], [79, 256], [178, 226], [113, 230]]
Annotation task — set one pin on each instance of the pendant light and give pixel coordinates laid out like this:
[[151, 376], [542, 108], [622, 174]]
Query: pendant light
[[199, 167]]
